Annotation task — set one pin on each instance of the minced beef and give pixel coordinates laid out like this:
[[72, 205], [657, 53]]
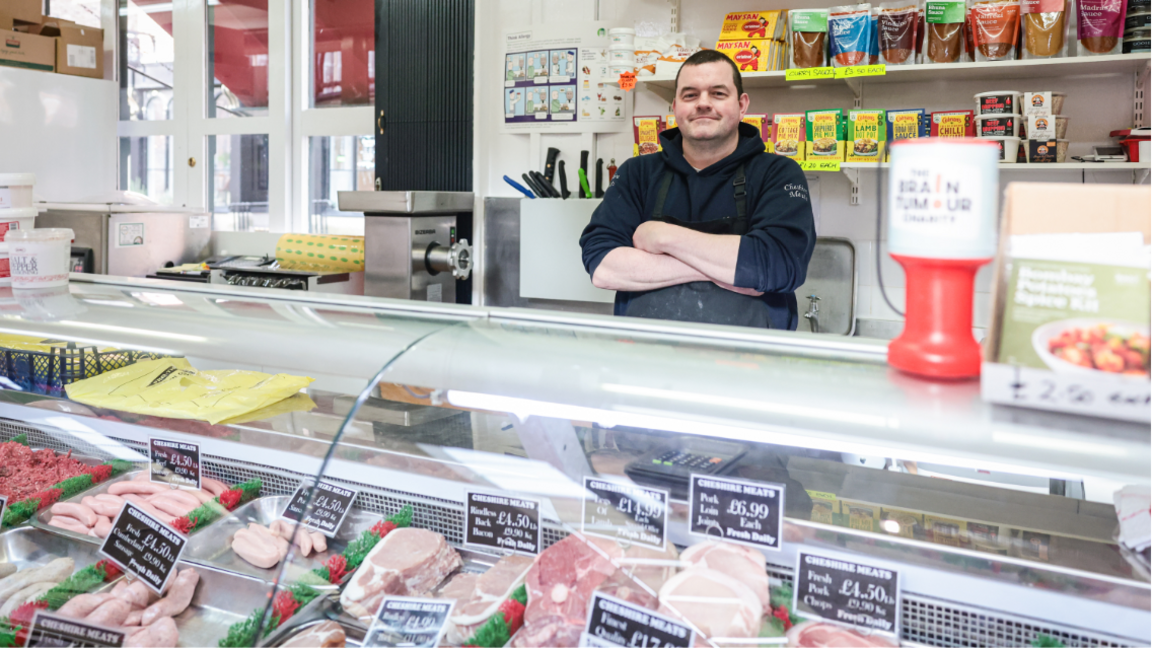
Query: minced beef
[[24, 471]]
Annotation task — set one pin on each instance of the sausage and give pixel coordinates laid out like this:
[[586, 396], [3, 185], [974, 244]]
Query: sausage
[[112, 612], [182, 496], [162, 634], [201, 495], [103, 527], [53, 572], [106, 508], [175, 601], [109, 497], [319, 542], [143, 505], [6, 570], [82, 605], [143, 475], [304, 541], [255, 549], [88, 500], [79, 511], [169, 506], [213, 486], [68, 524], [30, 593], [141, 488], [134, 618], [136, 593]]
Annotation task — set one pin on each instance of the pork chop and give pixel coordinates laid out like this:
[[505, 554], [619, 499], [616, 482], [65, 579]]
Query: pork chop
[[717, 604], [818, 634], [406, 562], [745, 564], [483, 596]]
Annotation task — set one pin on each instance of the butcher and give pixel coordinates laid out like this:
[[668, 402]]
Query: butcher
[[711, 229]]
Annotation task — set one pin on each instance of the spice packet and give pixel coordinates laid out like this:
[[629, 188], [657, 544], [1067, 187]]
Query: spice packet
[[825, 134], [808, 36], [788, 131], [1099, 26], [850, 31], [944, 23], [953, 123], [867, 136], [996, 27], [896, 32], [906, 123], [647, 134], [1043, 25]]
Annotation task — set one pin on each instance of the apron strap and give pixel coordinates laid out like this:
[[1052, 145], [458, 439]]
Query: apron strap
[[740, 227], [662, 195]]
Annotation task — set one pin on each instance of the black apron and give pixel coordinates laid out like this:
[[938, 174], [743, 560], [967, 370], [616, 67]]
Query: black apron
[[702, 301]]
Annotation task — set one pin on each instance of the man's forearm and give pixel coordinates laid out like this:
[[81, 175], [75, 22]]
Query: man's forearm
[[633, 270], [713, 255]]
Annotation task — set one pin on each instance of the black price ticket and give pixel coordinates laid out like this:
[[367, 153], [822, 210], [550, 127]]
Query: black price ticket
[[737, 510], [175, 463], [613, 622], [409, 621], [847, 592], [624, 512], [3, 505], [144, 547], [51, 630], [503, 522], [329, 507]]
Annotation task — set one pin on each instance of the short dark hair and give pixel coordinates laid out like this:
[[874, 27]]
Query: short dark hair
[[712, 56]]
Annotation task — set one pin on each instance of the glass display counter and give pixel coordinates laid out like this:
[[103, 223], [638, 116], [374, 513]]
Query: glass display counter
[[522, 463]]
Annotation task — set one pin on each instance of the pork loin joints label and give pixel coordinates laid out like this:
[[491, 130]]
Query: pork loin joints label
[[502, 522], [848, 592], [624, 512], [329, 507], [52, 630], [613, 622], [175, 463], [409, 621], [144, 547], [737, 510]]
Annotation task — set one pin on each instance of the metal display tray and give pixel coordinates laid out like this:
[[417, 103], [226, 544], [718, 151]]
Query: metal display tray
[[84, 459], [30, 547]]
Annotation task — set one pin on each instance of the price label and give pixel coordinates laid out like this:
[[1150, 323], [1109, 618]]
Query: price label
[[861, 71], [847, 592], [738, 510], [409, 621], [52, 630], [806, 74], [627, 81], [502, 522], [329, 507], [1117, 397], [614, 622], [144, 547], [3, 505], [625, 512], [175, 463], [821, 165]]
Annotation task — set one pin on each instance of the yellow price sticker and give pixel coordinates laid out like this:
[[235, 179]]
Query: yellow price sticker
[[821, 165], [861, 71], [806, 74]]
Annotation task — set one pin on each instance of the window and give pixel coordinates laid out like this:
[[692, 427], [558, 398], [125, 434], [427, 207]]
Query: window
[[237, 58], [238, 182], [148, 61], [343, 52], [146, 166], [81, 12], [338, 164]]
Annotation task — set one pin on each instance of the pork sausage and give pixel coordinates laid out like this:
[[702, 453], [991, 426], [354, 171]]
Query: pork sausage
[[167, 505], [255, 549], [177, 599], [81, 512], [134, 618], [30, 593], [112, 612], [68, 524], [162, 634], [182, 496], [319, 541], [141, 488], [82, 605], [103, 527], [213, 486]]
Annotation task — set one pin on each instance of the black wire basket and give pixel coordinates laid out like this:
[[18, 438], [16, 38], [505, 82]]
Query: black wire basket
[[48, 372]]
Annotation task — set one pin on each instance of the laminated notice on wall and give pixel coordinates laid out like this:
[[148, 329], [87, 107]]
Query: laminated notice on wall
[[558, 78]]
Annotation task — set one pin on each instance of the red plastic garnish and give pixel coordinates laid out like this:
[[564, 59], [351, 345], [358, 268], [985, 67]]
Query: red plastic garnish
[[100, 473], [337, 568], [781, 612], [111, 571], [382, 528], [47, 498], [22, 636], [184, 524], [513, 611], [284, 606], [23, 614], [231, 498]]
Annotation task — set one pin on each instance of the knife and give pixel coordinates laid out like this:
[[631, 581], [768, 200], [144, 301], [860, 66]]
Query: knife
[[564, 193], [584, 184], [584, 169], [539, 191], [550, 164], [599, 177], [549, 190], [519, 187]]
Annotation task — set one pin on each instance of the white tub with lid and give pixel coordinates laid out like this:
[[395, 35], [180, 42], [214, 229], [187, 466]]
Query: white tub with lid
[[1009, 147], [40, 258], [622, 36], [621, 54], [5, 270], [20, 218], [16, 189]]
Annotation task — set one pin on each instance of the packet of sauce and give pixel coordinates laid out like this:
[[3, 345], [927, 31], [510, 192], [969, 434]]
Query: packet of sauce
[[646, 132], [1099, 26], [809, 38], [953, 123], [850, 30], [969, 35], [996, 28], [944, 20], [1043, 25], [874, 37], [896, 32]]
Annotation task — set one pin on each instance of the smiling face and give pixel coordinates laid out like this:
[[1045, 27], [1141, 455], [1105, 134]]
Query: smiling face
[[706, 105]]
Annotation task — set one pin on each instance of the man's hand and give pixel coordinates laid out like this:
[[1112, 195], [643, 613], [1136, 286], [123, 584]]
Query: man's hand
[[653, 236]]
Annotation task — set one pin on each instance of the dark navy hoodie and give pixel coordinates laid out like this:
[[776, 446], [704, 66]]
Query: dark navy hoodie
[[774, 254]]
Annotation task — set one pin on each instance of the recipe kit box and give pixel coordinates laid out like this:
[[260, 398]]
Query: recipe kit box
[[906, 123], [867, 136], [27, 51], [788, 135], [824, 134], [747, 25], [1068, 335]]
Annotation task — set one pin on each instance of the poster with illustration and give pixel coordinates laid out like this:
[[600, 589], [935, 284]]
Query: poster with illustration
[[514, 102], [556, 78], [537, 102], [513, 69]]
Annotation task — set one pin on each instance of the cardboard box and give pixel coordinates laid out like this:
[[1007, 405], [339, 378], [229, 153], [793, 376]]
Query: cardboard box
[[1044, 208], [753, 55], [746, 25], [825, 134], [788, 135], [23, 11], [28, 51], [79, 49], [867, 136]]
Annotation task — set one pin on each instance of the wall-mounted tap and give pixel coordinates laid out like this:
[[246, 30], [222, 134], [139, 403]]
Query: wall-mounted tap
[[813, 314]]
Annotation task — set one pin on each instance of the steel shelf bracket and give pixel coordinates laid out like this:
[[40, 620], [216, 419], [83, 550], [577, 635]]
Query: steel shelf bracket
[[853, 175]]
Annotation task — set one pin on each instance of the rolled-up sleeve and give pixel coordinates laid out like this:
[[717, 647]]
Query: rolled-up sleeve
[[774, 254], [616, 219]]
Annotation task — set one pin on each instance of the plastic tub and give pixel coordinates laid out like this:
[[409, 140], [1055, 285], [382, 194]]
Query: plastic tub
[[1138, 21], [1132, 145], [16, 190], [1009, 148], [1136, 45], [622, 36], [1061, 126], [998, 125], [40, 258], [620, 68], [620, 54], [998, 102], [21, 218], [5, 270]]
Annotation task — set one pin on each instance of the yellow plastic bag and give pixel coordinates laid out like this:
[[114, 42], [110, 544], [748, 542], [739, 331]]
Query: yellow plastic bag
[[172, 388]]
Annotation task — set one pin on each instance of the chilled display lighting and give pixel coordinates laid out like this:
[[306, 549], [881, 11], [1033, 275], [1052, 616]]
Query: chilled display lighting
[[135, 331], [891, 526], [99, 343]]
